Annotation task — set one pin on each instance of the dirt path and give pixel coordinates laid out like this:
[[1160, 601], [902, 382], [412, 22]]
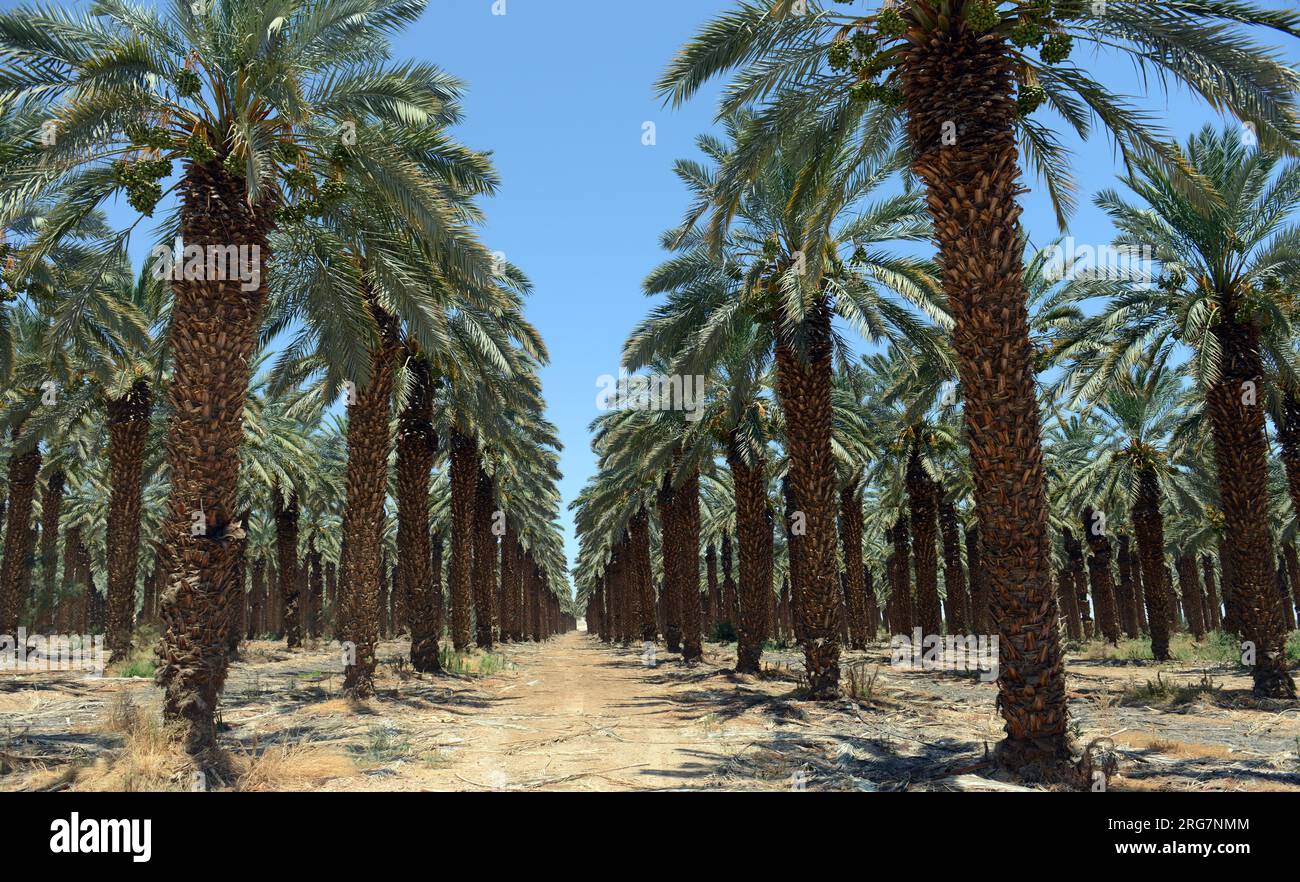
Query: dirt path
[[578, 716]]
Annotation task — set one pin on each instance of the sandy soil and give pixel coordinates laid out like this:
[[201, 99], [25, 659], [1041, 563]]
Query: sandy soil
[[574, 714]]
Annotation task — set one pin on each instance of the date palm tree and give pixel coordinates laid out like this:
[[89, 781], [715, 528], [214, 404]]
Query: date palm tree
[[1223, 265], [967, 75], [807, 247]]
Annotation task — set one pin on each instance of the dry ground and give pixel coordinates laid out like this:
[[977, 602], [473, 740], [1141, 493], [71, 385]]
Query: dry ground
[[573, 714]]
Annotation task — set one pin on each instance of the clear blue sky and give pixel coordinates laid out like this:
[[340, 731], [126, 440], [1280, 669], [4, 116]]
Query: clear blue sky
[[560, 90]]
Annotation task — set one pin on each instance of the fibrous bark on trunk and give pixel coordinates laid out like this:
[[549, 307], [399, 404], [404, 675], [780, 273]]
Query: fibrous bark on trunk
[[1099, 575], [1149, 528], [214, 327], [804, 388], [1189, 582], [416, 445], [921, 503], [687, 501], [669, 536], [464, 476], [854, 571], [128, 432], [1125, 592], [369, 442], [1234, 403], [959, 78], [51, 506], [484, 568], [24, 464], [954, 579], [286, 546], [755, 539]]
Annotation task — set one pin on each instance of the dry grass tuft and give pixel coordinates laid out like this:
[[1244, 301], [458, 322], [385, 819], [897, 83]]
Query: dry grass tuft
[[291, 767], [332, 707], [150, 758]]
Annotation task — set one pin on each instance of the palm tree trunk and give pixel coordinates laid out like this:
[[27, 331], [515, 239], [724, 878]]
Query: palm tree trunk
[[257, 607], [24, 464], [979, 583], [286, 546], [1074, 557], [872, 608], [967, 78], [509, 590], [25, 580], [794, 554], [644, 575], [214, 327], [687, 502], [525, 594], [381, 588], [1231, 623], [1175, 602], [1139, 595], [627, 575], [855, 573], [239, 609], [65, 619], [464, 475], [1284, 595], [274, 616], [1069, 603], [1124, 592], [921, 502], [1100, 577], [1149, 527], [1288, 437], [316, 588], [536, 623], [668, 543], [754, 533], [1241, 454], [1213, 609], [730, 604], [369, 442], [900, 588], [804, 388], [1189, 581], [417, 443], [128, 433], [1293, 570], [51, 506], [614, 602], [437, 597], [484, 567], [954, 580], [714, 603]]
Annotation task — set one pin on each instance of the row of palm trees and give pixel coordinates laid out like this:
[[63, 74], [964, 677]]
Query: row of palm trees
[[826, 102], [189, 420]]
